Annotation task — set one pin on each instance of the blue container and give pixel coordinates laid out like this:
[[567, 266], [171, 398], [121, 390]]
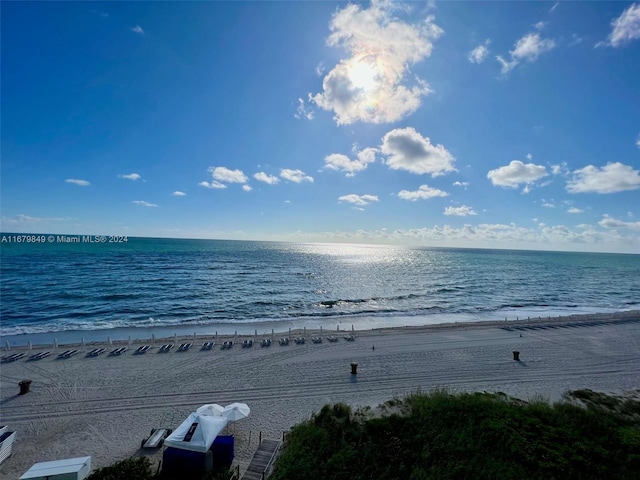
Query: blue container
[[222, 449]]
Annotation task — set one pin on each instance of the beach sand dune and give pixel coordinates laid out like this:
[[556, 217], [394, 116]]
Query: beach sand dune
[[105, 406]]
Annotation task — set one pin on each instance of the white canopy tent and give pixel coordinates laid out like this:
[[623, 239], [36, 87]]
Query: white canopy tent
[[196, 433]]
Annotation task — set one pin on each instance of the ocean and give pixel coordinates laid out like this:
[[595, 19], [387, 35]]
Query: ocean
[[67, 287]]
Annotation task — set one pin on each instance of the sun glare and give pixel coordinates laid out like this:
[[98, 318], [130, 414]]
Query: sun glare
[[363, 75]]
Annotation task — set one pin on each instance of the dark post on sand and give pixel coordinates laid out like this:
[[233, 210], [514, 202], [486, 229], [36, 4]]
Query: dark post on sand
[[516, 355], [354, 368], [24, 386]]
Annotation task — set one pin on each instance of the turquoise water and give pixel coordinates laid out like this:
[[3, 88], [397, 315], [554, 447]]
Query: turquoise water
[[169, 285]]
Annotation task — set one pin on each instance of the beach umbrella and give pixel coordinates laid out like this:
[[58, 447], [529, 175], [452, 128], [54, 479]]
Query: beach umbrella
[[211, 410], [236, 411]]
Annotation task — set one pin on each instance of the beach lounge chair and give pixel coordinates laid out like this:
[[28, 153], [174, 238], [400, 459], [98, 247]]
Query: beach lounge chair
[[247, 343], [207, 346], [13, 358], [300, 340], [284, 341], [184, 347], [227, 345], [266, 342], [63, 354], [349, 338], [156, 438], [71, 353], [7, 438], [332, 338], [316, 339]]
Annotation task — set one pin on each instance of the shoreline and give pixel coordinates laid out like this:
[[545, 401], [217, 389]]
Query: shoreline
[[77, 338], [104, 406]]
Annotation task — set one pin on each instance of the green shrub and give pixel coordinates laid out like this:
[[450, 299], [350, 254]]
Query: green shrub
[[130, 469]]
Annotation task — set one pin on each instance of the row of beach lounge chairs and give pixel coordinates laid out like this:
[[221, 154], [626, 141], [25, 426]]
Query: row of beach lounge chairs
[[184, 347]]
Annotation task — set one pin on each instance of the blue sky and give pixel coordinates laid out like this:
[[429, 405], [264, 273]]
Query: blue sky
[[471, 124]]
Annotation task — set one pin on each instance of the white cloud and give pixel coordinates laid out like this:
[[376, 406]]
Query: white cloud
[[610, 222], [461, 184], [555, 5], [178, 193], [214, 185], [540, 25], [224, 174], [480, 53], [612, 178], [528, 48], [461, 211], [360, 200], [75, 181], [142, 203], [574, 210], [302, 111], [638, 141], [269, 179], [407, 150], [22, 220], [246, 188], [342, 163], [516, 173], [425, 192], [296, 176], [370, 86], [138, 29], [130, 176], [625, 28], [548, 203]]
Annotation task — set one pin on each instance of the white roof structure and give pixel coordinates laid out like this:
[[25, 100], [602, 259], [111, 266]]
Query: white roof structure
[[68, 468], [196, 433]]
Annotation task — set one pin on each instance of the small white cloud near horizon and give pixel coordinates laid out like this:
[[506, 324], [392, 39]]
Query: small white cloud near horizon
[[143, 203], [406, 149], [130, 176], [266, 178], [295, 176], [528, 48], [424, 192], [77, 181], [610, 222], [574, 210], [625, 28], [178, 193], [612, 178], [370, 85], [461, 211], [359, 200], [213, 185], [480, 53], [516, 173], [138, 29], [342, 163]]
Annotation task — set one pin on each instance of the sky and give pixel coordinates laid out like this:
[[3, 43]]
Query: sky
[[446, 124]]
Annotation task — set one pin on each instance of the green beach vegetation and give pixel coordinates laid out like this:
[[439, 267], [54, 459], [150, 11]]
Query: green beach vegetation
[[441, 435]]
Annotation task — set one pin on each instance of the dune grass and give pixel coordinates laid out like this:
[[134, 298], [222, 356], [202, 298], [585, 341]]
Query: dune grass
[[469, 436]]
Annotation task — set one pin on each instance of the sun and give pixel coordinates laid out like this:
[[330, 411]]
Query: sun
[[363, 75]]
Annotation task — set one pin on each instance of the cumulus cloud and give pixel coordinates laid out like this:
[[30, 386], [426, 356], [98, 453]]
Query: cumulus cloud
[[461, 211], [625, 28], [480, 53], [461, 184], [371, 85], [246, 188], [303, 111], [425, 192], [130, 176], [360, 200], [76, 181], [528, 48], [295, 176], [214, 185], [610, 222], [269, 179], [226, 175], [612, 178], [342, 163], [515, 173], [142, 203], [138, 29], [574, 210], [406, 149], [178, 193]]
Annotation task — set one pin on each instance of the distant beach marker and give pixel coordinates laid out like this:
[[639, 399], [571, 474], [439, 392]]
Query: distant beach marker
[[516, 355], [354, 368]]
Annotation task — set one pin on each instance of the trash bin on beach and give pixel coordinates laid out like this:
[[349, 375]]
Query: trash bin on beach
[[516, 355], [354, 368], [24, 386]]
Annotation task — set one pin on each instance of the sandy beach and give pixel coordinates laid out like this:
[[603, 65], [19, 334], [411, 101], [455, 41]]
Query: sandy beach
[[105, 406]]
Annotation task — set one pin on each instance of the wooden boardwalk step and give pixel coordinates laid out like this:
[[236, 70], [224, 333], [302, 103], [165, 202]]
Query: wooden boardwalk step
[[260, 461]]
